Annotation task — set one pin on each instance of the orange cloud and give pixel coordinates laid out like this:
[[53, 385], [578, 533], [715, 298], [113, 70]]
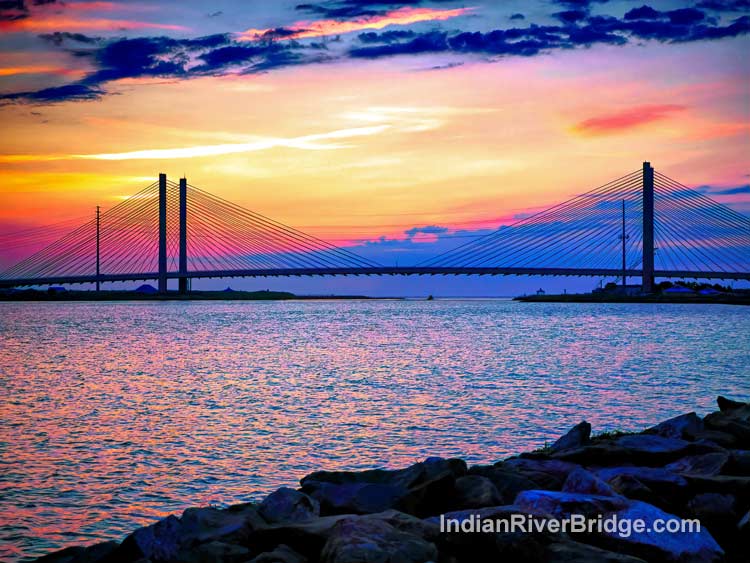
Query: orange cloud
[[39, 69], [627, 119], [402, 16], [55, 23]]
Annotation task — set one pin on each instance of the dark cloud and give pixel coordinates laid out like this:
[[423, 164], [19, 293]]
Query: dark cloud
[[69, 92], [518, 17], [427, 230], [431, 42], [167, 57], [60, 37], [386, 36], [643, 13], [215, 14], [724, 5], [11, 10], [571, 16], [730, 191], [347, 9]]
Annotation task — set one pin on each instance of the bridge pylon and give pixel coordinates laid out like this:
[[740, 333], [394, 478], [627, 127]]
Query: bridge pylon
[[162, 233], [183, 279], [648, 228]]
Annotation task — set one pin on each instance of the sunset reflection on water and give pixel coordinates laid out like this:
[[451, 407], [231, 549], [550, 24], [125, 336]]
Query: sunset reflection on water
[[114, 414]]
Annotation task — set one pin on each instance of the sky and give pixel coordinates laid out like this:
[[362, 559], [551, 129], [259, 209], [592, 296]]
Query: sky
[[395, 128]]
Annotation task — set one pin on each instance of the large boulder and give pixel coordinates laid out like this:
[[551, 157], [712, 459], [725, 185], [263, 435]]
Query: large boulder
[[575, 552], [561, 504], [576, 437], [354, 498], [728, 405], [407, 478], [423, 489], [683, 546], [171, 537], [550, 473], [475, 491], [369, 540], [581, 480], [280, 554], [288, 505], [78, 554], [704, 464], [678, 546], [653, 477], [509, 481], [684, 426], [734, 420]]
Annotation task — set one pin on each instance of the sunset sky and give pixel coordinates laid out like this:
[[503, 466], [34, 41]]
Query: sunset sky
[[399, 125]]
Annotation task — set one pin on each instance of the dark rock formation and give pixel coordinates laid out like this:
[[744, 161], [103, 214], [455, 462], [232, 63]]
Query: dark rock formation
[[438, 510]]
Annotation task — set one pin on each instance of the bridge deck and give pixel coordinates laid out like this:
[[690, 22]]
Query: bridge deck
[[375, 271]]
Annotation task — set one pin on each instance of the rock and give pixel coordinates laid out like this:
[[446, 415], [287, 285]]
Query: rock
[[410, 477], [739, 463], [167, 538], [738, 486], [475, 491], [551, 473], [307, 538], [727, 405], [362, 540], [576, 437], [581, 480], [157, 542], [422, 489], [744, 524], [680, 427], [215, 552], [721, 439], [681, 546], [575, 552], [712, 506], [560, 504], [630, 487], [288, 505], [735, 422], [651, 444], [509, 482], [282, 554], [705, 464], [77, 554], [354, 498], [653, 477]]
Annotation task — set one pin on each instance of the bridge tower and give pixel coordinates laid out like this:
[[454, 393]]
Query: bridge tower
[[183, 279], [162, 233], [648, 228]]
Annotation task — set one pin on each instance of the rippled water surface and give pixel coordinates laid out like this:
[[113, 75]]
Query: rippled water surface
[[114, 414]]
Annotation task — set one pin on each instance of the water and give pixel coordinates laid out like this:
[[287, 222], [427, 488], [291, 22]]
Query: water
[[115, 414]]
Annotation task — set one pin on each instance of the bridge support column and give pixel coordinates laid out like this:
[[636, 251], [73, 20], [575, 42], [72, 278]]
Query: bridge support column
[[648, 228], [183, 279], [162, 233]]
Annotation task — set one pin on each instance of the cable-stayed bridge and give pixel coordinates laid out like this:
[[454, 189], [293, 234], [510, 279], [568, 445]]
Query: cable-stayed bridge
[[643, 225]]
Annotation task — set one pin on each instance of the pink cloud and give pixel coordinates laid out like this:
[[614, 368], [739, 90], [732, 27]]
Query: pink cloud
[[402, 16], [627, 119]]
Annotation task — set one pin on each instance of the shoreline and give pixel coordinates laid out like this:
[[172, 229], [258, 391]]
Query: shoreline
[[683, 469], [113, 295], [591, 298]]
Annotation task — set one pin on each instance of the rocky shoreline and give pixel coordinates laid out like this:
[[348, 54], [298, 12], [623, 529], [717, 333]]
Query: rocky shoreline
[[682, 468]]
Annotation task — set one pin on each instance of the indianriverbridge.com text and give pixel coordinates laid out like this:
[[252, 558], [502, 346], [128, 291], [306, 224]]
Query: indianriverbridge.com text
[[575, 523]]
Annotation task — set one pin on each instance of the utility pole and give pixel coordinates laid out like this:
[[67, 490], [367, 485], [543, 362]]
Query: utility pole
[[98, 283]]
